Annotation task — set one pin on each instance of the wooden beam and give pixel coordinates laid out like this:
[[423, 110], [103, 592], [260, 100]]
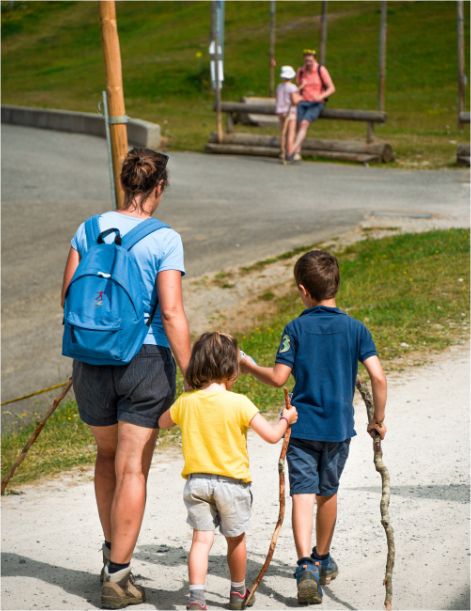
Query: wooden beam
[[114, 88]]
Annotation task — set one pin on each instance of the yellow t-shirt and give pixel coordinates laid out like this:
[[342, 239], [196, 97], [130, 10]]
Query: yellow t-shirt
[[214, 432]]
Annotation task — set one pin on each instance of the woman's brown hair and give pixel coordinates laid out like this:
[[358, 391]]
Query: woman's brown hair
[[214, 358], [142, 171]]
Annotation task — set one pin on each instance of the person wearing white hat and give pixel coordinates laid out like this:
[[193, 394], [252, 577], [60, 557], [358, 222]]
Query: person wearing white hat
[[287, 96]]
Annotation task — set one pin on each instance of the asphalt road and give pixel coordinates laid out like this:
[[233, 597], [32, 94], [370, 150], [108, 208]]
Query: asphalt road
[[229, 210]]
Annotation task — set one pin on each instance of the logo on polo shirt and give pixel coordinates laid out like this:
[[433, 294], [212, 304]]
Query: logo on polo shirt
[[285, 344]]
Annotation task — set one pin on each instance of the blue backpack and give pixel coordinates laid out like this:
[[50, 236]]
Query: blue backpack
[[104, 318]]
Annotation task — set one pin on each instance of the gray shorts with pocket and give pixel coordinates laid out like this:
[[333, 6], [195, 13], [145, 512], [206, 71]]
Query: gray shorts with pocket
[[137, 393], [215, 500]]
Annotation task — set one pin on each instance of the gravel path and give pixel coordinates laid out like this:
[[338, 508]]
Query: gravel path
[[51, 537]]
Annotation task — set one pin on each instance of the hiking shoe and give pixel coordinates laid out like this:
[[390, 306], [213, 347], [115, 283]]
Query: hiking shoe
[[119, 590], [237, 600], [329, 570], [106, 558], [308, 582], [297, 157]]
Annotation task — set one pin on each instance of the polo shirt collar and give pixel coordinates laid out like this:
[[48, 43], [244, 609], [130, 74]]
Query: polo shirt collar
[[320, 309]]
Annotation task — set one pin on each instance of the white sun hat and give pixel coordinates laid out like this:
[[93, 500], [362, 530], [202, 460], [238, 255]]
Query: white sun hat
[[287, 72]]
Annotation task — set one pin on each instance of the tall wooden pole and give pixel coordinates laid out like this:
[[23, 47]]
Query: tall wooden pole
[[217, 57], [272, 46], [382, 54], [461, 68], [323, 45], [114, 88]]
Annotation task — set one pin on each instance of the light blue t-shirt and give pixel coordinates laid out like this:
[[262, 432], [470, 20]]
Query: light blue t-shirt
[[157, 252]]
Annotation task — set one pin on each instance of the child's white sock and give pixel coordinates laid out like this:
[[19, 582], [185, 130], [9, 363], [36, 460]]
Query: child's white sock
[[238, 586], [197, 594]]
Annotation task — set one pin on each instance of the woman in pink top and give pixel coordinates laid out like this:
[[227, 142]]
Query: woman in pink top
[[315, 86]]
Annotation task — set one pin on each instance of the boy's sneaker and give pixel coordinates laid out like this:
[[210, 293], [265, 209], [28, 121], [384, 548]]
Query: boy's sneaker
[[308, 582], [328, 569], [106, 558], [119, 590], [237, 600]]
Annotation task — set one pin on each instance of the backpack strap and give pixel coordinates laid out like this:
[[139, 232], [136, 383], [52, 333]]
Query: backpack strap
[[324, 86], [92, 230], [141, 231], [136, 235]]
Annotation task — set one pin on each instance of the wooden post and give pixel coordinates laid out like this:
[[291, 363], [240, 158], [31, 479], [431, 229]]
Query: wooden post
[[216, 57], [323, 45], [382, 54], [114, 88], [460, 42], [272, 46]]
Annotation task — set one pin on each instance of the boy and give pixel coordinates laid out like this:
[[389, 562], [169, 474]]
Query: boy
[[321, 349], [214, 422]]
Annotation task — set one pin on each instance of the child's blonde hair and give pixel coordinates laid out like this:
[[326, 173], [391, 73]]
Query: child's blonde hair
[[214, 358]]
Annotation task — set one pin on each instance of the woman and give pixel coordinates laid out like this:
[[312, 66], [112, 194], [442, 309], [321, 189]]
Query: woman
[[122, 404]]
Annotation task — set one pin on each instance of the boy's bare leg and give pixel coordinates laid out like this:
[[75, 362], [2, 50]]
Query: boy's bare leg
[[325, 522], [198, 557], [237, 557], [303, 506]]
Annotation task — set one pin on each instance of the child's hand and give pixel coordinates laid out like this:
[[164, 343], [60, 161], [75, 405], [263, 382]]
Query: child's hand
[[375, 427], [290, 414], [243, 360]]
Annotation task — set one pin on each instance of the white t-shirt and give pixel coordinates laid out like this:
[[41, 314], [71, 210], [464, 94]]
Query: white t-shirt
[[283, 97], [159, 251]]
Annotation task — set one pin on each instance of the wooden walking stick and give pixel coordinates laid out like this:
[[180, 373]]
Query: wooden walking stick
[[281, 513], [34, 436], [385, 494]]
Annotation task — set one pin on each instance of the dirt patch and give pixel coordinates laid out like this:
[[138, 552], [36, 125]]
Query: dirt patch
[[235, 299]]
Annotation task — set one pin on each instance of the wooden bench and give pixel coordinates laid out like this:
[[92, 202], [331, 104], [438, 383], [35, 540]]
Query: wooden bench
[[348, 150]]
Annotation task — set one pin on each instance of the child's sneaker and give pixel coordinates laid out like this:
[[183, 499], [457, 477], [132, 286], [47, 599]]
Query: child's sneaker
[[197, 606], [328, 569], [119, 590], [105, 550], [308, 582], [237, 600]]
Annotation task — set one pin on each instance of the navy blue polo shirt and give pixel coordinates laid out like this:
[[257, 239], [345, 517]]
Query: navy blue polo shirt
[[323, 347]]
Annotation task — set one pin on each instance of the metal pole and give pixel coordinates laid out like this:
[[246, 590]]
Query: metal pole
[[382, 54], [215, 39], [106, 116], [323, 45], [114, 87], [272, 46], [460, 41]]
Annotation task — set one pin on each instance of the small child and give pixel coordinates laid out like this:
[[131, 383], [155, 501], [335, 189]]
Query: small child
[[214, 423], [321, 349], [287, 96]]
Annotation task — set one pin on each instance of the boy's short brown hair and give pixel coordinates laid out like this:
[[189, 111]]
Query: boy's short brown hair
[[214, 358], [318, 271]]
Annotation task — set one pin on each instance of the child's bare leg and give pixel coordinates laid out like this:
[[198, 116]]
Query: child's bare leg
[[291, 134], [325, 522], [237, 557], [303, 506], [198, 557]]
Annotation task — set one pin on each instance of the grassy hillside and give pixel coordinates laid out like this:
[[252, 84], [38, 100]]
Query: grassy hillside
[[52, 57]]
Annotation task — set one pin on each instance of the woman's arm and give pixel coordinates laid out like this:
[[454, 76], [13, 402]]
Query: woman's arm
[[72, 263], [174, 320]]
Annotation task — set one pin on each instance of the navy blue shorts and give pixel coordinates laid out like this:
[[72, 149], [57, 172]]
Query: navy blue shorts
[[315, 467], [309, 111], [138, 392]]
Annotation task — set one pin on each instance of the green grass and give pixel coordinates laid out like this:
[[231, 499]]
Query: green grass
[[411, 290], [52, 57]]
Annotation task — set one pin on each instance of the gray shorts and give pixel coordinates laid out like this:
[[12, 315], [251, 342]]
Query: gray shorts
[[215, 500], [138, 392]]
